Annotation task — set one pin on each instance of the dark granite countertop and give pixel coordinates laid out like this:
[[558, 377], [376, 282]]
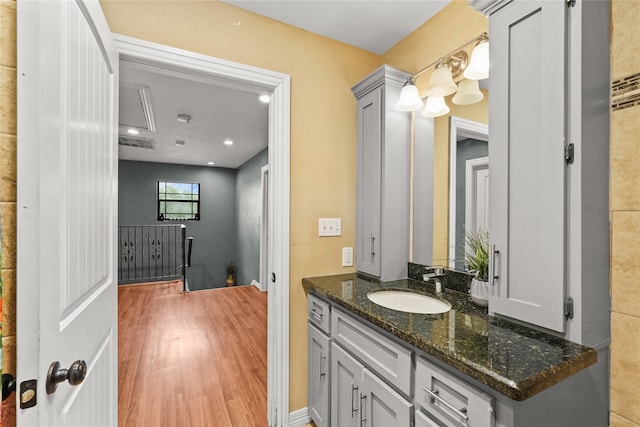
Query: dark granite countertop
[[513, 359]]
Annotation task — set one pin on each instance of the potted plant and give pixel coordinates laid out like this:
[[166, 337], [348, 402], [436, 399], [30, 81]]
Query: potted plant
[[477, 259], [231, 273]]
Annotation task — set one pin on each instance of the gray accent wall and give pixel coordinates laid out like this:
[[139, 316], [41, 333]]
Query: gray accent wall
[[215, 235], [249, 209]]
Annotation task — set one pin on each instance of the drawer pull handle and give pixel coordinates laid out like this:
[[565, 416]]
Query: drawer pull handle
[[323, 357], [317, 315], [372, 249], [363, 412], [493, 254], [354, 388], [462, 413]]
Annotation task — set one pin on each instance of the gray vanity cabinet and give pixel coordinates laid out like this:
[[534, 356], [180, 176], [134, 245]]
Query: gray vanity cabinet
[[548, 150], [383, 163], [346, 383], [384, 365], [360, 398], [319, 361], [380, 405], [319, 376]]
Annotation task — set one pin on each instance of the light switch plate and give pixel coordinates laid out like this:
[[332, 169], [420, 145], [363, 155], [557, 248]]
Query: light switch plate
[[329, 227]]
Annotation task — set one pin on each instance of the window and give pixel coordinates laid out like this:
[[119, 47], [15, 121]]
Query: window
[[178, 201]]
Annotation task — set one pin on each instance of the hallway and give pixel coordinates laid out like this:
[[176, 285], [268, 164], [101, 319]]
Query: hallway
[[187, 360]]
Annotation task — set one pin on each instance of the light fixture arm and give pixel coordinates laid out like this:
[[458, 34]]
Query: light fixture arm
[[481, 38]]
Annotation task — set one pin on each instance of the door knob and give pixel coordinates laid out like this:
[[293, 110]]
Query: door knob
[[75, 374]]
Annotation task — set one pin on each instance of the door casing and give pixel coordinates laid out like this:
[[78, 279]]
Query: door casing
[[248, 78]]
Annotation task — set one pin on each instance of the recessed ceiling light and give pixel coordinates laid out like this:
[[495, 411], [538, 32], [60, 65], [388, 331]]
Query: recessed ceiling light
[[180, 143], [264, 98], [184, 118], [228, 142], [211, 163], [132, 131]]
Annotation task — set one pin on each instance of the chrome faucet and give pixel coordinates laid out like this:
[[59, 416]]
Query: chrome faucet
[[434, 274]]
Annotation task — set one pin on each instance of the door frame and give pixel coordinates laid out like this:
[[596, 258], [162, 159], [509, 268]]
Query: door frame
[[252, 79], [459, 128], [472, 167], [264, 229]]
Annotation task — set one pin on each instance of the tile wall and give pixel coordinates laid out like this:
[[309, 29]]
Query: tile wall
[[8, 192], [625, 216]]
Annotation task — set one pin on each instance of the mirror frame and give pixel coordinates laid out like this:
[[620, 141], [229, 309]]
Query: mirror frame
[[459, 127]]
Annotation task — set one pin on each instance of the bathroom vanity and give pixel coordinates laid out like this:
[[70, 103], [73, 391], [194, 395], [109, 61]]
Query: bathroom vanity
[[369, 365]]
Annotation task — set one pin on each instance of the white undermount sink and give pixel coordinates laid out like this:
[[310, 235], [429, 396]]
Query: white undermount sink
[[409, 302]]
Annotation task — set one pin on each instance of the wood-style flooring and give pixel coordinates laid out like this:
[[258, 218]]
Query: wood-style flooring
[[192, 360]]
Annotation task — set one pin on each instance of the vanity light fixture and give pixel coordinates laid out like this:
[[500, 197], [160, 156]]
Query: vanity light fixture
[[409, 97], [449, 68], [435, 107], [211, 163], [442, 81], [264, 98], [228, 142], [468, 93], [132, 131], [478, 69]]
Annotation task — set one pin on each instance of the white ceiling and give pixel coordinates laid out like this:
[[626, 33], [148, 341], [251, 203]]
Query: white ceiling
[[373, 25], [218, 112]]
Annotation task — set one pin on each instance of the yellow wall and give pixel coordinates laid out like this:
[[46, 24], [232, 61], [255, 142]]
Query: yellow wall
[[451, 27], [625, 224]]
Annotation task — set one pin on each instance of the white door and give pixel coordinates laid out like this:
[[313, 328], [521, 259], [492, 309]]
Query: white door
[[476, 191], [67, 210]]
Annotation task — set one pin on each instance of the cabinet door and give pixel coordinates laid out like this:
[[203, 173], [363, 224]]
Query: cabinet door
[[346, 386], [381, 406], [423, 420], [319, 377], [368, 202], [527, 165]]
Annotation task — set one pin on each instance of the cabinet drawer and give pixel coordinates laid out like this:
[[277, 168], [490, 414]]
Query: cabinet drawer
[[382, 355], [319, 313], [449, 399]]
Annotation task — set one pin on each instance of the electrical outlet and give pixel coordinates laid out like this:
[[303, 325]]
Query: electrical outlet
[[347, 257], [329, 227]]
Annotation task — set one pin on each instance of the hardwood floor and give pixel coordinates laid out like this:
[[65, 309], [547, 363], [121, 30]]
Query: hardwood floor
[[192, 360]]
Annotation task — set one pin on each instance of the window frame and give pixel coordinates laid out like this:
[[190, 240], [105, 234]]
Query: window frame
[[160, 216]]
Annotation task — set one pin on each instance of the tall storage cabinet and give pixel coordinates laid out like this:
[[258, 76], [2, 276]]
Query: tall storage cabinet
[[528, 167], [383, 153], [548, 151]]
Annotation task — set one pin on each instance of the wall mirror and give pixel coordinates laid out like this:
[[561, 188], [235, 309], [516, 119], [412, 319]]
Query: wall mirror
[[468, 184], [450, 183]]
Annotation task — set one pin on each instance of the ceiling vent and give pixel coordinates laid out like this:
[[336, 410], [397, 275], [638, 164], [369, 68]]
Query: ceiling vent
[[136, 141], [135, 107]]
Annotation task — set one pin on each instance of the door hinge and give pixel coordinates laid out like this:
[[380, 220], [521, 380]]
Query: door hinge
[[571, 3], [568, 308], [569, 151]]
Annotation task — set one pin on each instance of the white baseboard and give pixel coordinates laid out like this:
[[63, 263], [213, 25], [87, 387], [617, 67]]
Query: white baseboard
[[299, 417], [256, 284]]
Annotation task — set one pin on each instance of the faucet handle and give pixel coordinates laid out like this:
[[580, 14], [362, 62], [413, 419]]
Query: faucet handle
[[434, 271]]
